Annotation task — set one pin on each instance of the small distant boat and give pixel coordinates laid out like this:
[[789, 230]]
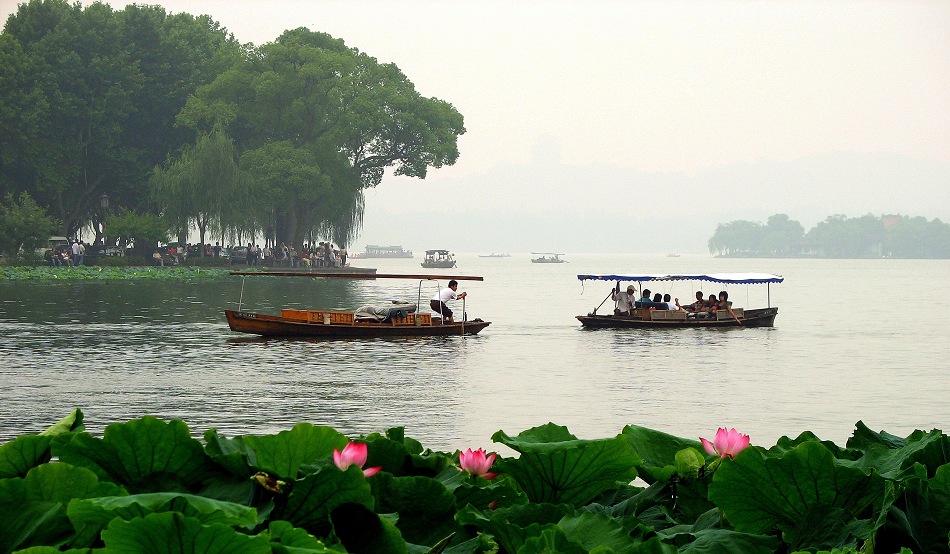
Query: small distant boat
[[547, 258], [493, 255], [439, 258], [374, 251], [672, 255]]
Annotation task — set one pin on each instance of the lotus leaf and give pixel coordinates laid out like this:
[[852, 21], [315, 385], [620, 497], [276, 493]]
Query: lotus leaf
[[551, 541], [894, 458], [426, 508], [175, 533], [510, 527], [313, 498], [591, 530], [33, 508], [568, 470], [761, 494], [284, 454], [22, 454], [657, 451], [143, 454], [363, 532], [100, 511], [285, 538]]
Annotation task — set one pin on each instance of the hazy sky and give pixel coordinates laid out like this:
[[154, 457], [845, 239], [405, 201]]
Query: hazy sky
[[591, 124]]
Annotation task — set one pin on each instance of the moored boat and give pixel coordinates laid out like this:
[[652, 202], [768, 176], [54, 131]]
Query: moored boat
[[651, 315], [493, 255], [438, 259], [380, 321], [375, 251]]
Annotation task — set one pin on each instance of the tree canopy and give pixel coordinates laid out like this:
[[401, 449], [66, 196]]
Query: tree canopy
[[144, 106]]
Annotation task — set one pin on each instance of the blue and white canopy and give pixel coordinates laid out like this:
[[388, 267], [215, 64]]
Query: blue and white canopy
[[732, 278]]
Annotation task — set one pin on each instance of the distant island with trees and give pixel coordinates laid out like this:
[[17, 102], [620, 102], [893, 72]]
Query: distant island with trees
[[838, 236]]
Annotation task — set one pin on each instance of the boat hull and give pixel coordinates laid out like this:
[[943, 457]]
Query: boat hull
[[267, 325], [445, 265], [764, 317]]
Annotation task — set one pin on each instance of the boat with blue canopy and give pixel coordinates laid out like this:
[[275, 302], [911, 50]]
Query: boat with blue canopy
[[645, 312]]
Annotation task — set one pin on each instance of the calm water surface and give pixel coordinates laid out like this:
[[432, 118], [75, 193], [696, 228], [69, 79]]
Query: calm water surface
[[854, 340]]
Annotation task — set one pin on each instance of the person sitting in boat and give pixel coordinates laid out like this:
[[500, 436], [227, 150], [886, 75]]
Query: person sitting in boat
[[624, 300], [646, 302], [696, 306], [723, 303], [438, 302], [670, 304]]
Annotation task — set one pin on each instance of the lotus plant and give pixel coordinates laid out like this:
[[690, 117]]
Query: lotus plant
[[727, 443], [477, 463], [354, 453]]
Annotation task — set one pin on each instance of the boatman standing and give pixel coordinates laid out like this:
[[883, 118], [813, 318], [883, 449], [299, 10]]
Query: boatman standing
[[624, 300], [448, 293]]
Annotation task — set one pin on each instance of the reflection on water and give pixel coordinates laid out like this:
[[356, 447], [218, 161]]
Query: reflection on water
[[119, 350]]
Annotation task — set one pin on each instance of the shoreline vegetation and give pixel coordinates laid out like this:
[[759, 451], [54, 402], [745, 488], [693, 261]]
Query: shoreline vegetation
[[838, 236], [312, 489]]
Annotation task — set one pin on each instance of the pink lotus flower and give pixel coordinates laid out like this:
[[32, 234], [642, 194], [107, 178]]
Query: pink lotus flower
[[727, 443], [477, 463], [354, 454]]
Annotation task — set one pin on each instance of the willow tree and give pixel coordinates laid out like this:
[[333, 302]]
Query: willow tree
[[330, 119], [204, 187]]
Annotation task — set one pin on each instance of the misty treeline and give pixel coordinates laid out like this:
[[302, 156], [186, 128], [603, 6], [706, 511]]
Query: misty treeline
[[140, 125], [838, 236]]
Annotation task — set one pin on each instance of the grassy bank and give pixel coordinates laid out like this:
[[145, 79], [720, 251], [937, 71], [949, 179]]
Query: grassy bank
[[97, 273]]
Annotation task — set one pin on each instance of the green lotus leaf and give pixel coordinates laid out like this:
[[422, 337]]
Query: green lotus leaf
[[22, 454], [510, 527], [100, 511], [284, 454], [69, 424], [426, 508], [33, 508], [363, 532], [481, 492], [893, 458], [551, 541], [144, 455], [176, 533], [725, 541], [923, 513], [591, 530], [312, 498], [566, 471], [785, 444], [657, 451], [287, 539], [761, 494]]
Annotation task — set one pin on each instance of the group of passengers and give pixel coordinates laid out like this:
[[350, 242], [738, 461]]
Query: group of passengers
[[321, 254], [702, 308]]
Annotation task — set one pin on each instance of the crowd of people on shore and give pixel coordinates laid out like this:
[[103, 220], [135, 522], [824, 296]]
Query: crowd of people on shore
[[703, 307], [313, 254], [71, 255]]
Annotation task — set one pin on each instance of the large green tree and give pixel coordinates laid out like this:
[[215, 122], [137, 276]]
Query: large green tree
[[206, 189], [319, 122], [88, 98]]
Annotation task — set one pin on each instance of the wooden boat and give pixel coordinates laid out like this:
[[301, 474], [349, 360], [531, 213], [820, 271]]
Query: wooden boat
[[493, 255], [438, 258], [403, 320], [653, 318], [548, 258]]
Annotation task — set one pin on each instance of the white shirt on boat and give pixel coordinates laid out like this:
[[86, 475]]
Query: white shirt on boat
[[445, 295]]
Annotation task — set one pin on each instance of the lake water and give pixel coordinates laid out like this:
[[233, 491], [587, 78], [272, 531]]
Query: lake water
[[853, 340]]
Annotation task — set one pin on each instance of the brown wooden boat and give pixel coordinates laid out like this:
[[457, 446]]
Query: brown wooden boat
[[403, 321], [340, 325]]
